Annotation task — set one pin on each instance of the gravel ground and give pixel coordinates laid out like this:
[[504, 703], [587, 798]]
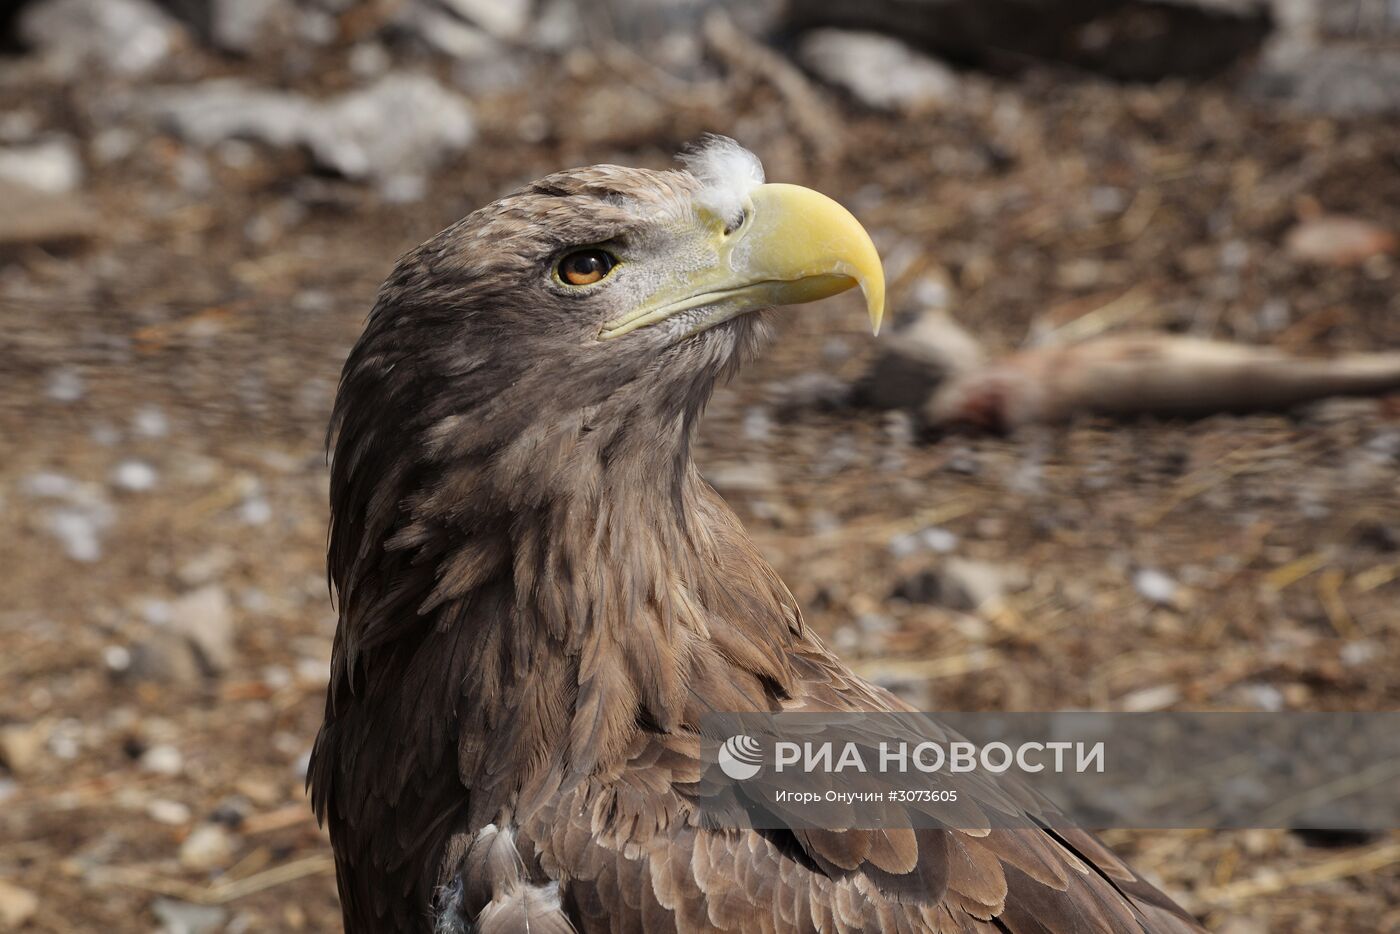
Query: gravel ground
[[163, 607]]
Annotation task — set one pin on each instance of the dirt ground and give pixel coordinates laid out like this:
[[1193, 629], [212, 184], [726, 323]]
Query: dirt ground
[[166, 389]]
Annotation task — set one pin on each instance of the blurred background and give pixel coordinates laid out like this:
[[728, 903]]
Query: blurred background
[[198, 199]]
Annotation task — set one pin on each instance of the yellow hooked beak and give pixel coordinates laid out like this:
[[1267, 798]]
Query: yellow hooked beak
[[795, 245]]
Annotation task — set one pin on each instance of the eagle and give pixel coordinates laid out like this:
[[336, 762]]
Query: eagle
[[540, 597]]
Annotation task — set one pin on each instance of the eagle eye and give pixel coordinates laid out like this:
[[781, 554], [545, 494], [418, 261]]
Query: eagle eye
[[585, 267]]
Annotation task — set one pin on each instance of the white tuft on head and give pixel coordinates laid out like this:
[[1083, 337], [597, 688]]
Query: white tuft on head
[[727, 173]]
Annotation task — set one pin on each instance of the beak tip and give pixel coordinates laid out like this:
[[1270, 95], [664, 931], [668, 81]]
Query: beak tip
[[876, 310]]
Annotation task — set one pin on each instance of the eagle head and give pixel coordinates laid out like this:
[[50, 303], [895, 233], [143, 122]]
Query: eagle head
[[593, 281]]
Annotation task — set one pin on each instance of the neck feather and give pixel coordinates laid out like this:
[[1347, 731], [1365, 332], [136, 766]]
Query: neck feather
[[555, 594]]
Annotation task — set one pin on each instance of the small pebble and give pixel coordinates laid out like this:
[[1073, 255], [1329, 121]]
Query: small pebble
[[17, 906], [163, 760], [1265, 696], [209, 846], [134, 476], [256, 510], [150, 422], [1359, 653], [105, 434], [51, 485], [65, 385], [77, 533], [20, 746], [165, 811], [757, 425], [1150, 699], [1155, 587], [939, 540], [185, 918], [117, 658]]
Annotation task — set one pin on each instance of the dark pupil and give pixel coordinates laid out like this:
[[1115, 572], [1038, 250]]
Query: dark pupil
[[585, 266]]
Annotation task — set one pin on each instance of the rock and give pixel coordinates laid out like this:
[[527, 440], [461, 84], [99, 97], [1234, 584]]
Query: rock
[[183, 918], [21, 744], [50, 485], [134, 476], [209, 846], [1155, 587], [170, 813], [754, 477], [255, 510], [1238, 925], [17, 906], [205, 567], [449, 34], [428, 124], [960, 584], [618, 115], [758, 424], [163, 760], [939, 540], [222, 109], [1359, 653], [1334, 57], [932, 539], [127, 37], [1147, 700], [504, 19], [117, 659], [313, 671], [79, 531], [205, 618], [917, 359], [38, 217], [1264, 697], [65, 740], [79, 523], [150, 422], [53, 166], [391, 132], [243, 25], [65, 384], [164, 658], [1337, 240], [878, 71], [471, 30], [231, 812], [811, 390]]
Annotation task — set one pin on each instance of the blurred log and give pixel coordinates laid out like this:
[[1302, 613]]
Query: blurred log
[[1151, 374], [1136, 40], [9, 15], [965, 31]]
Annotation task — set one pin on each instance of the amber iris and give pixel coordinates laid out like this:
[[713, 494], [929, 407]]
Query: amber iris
[[585, 267]]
